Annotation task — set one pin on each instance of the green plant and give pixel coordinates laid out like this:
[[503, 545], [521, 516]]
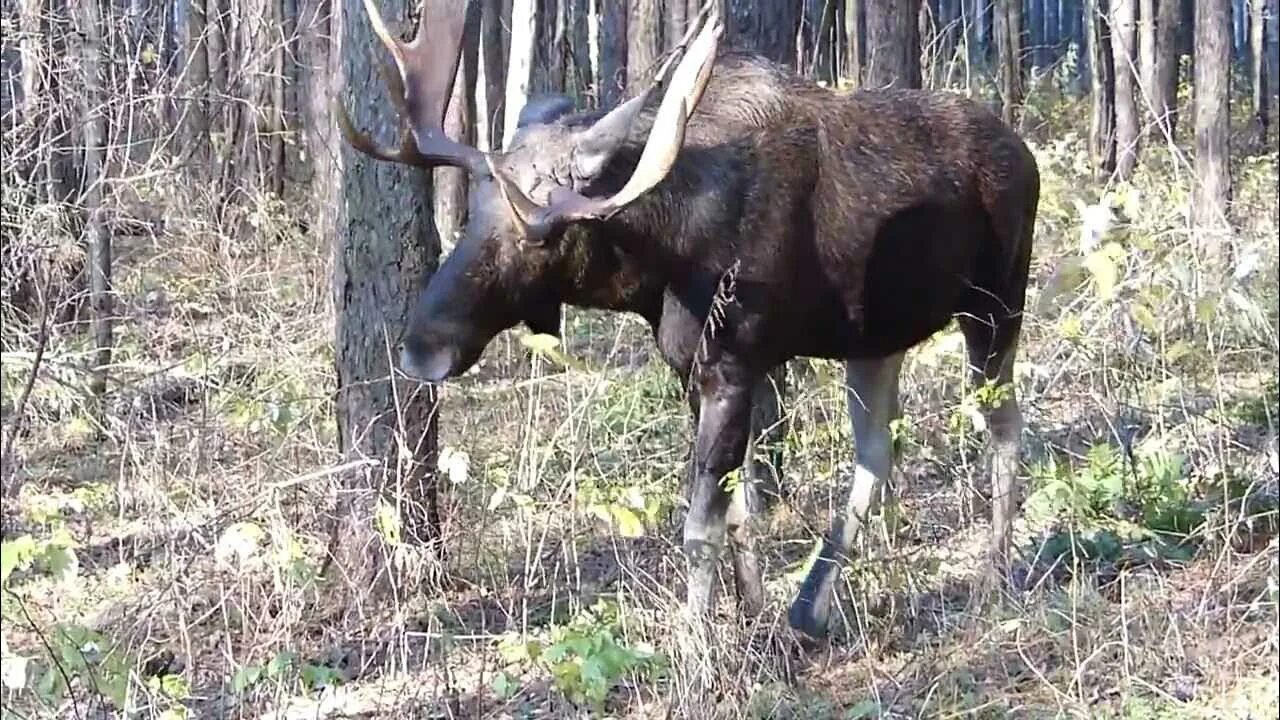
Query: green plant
[[584, 658]]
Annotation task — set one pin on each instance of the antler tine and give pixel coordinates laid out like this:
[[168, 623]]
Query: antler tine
[[665, 137], [421, 88]]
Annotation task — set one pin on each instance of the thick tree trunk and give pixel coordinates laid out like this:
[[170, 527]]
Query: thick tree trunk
[[644, 42], [768, 28], [893, 45], [677, 20], [1052, 31], [1212, 116], [378, 217], [1102, 146], [1123, 47], [1258, 76]]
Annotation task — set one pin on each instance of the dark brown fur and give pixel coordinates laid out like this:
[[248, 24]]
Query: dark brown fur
[[857, 224]]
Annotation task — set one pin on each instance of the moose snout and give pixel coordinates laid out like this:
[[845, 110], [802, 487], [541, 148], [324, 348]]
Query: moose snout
[[428, 361]]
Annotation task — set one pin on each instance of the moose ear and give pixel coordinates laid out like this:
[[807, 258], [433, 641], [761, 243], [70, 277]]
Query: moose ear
[[595, 146], [544, 109]]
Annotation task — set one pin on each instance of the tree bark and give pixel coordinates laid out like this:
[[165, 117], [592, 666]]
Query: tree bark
[[1164, 86], [611, 51], [855, 28], [1102, 146], [1035, 31], [1123, 37], [644, 42], [1273, 45], [378, 216], [1212, 192], [524, 32], [88, 20], [768, 28], [893, 45], [489, 116], [449, 183], [677, 21], [1258, 75], [1009, 51]]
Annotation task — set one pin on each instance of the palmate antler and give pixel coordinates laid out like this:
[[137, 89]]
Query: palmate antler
[[422, 81]]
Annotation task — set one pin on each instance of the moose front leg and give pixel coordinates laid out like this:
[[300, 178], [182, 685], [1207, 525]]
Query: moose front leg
[[724, 422]]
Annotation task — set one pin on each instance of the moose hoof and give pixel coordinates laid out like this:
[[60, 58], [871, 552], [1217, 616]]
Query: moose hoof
[[805, 617]]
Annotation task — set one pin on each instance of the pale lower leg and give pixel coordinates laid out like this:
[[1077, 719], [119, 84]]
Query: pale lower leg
[[873, 402]]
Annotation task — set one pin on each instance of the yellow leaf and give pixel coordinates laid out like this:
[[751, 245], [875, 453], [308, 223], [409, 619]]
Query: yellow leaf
[[627, 522], [1144, 317], [1103, 265]]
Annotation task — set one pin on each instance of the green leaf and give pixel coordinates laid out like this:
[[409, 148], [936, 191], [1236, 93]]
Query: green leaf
[[16, 554], [319, 676], [280, 663], [245, 677], [62, 562], [864, 709], [628, 523], [504, 685], [1103, 265]]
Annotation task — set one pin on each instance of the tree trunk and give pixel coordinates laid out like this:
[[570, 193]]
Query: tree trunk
[[1273, 45], [644, 42], [1035, 32], [88, 21], [893, 45], [524, 32], [1009, 50], [1258, 68], [1102, 145], [489, 114], [1164, 86], [378, 215], [611, 51], [1052, 31], [855, 28], [1123, 37], [768, 28], [677, 20], [1212, 192], [1147, 51]]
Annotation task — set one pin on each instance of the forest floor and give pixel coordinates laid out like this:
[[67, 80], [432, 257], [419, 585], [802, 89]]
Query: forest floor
[[169, 556]]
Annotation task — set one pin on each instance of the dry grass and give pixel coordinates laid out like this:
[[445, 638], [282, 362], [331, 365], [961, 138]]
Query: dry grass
[[196, 497]]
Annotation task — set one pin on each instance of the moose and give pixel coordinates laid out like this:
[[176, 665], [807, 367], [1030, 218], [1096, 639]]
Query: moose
[[750, 218]]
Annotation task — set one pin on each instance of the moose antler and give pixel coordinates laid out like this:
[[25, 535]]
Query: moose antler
[[422, 82], [420, 85], [663, 144]]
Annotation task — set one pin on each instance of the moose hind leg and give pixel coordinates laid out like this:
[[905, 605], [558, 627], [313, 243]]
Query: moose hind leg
[[873, 402], [992, 349]]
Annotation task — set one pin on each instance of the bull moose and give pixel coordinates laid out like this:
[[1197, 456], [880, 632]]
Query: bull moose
[[750, 218]]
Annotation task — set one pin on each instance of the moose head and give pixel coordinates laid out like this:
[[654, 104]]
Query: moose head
[[508, 266]]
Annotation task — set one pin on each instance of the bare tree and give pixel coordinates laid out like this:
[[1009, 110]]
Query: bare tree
[[88, 20], [1124, 16], [855, 28], [493, 65], [1009, 50], [611, 50], [893, 44], [1258, 75], [1212, 192], [644, 40], [1162, 89], [524, 32], [768, 28], [1102, 145]]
